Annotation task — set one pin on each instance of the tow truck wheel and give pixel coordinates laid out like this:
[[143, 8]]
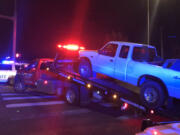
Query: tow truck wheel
[[19, 85], [85, 68], [72, 95], [152, 95]]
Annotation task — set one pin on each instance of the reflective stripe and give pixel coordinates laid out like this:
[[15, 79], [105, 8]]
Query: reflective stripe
[[18, 105], [63, 75], [133, 104], [81, 82], [12, 94], [32, 97]]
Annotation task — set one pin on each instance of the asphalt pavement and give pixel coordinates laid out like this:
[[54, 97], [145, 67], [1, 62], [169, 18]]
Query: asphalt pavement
[[33, 113]]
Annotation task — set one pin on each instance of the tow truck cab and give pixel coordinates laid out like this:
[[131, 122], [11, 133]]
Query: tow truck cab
[[67, 57]]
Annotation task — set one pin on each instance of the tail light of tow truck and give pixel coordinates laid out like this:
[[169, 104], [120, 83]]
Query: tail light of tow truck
[[152, 112], [124, 106], [45, 82]]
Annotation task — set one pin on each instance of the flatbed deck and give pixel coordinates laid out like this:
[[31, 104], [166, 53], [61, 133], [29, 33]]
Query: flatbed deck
[[125, 94]]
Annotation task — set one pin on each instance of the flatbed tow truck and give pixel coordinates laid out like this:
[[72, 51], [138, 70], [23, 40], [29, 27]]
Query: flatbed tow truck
[[67, 82]]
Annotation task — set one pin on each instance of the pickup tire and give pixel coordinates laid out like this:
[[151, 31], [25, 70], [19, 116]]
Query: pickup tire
[[72, 95], [152, 94], [85, 69], [19, 85]]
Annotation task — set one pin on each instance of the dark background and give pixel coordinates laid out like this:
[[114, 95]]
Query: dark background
[[42, 24]]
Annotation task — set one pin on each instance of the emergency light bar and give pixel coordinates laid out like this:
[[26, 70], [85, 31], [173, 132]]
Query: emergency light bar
[[72, 47], [7, 62]]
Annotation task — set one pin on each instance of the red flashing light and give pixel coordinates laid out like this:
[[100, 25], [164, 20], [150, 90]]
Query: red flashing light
[[72, 47], [125, 105], [45, 82], [152, 111]]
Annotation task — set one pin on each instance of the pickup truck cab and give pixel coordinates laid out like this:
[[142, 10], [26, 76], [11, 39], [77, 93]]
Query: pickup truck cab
[[136, 64], [35, 71]]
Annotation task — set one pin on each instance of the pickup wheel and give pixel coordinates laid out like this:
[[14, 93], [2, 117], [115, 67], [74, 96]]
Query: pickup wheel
[[152, 94], [19, 85], [85, 69], [72, 95]]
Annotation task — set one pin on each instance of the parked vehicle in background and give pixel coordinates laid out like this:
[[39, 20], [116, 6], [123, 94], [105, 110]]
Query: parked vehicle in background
[[8, 71], [136, 64]]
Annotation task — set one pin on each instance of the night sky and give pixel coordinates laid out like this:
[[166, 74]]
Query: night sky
[[42, 24]]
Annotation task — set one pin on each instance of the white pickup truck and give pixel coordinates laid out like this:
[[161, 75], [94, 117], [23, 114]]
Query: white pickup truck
[[136, 64]]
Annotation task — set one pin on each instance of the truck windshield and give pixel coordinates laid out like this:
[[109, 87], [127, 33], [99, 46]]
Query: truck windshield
[[144, 54]]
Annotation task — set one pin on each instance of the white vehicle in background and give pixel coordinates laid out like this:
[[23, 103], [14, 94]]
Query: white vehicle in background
[[8, 71], [149, 127]]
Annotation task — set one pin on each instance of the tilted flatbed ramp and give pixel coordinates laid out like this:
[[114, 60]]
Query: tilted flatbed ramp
[[109, 86]]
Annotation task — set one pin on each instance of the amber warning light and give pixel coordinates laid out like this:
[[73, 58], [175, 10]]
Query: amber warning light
[[72, 47]]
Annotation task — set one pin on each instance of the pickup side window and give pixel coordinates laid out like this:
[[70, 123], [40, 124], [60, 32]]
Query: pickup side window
[[124, 51], [109, 50], [144, 54]]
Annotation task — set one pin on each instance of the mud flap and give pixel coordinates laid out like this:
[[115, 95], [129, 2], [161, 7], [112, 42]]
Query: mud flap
[[84, 96]]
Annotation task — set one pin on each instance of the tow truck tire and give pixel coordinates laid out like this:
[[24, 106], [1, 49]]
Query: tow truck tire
[[152, 95], [19, 85], [72, 95], [85, 69]]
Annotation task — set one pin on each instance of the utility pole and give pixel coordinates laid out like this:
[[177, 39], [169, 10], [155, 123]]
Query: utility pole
[[14, 19]]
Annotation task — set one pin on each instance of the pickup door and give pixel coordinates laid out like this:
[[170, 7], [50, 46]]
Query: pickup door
[[105, 60], [121, 63]]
